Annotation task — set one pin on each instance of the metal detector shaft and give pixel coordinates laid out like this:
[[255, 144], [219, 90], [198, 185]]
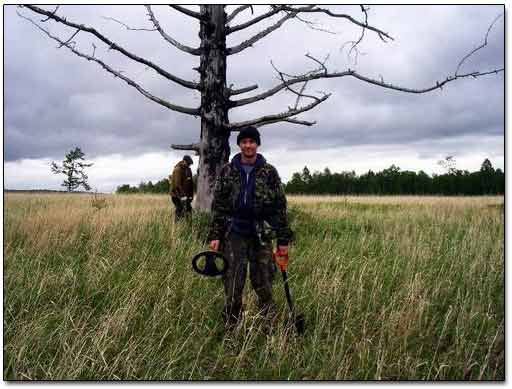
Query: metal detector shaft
[[287, 290], [299, 319]]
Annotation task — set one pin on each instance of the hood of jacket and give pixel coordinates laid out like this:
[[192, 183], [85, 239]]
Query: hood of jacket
[[243, 218], [237, 161]]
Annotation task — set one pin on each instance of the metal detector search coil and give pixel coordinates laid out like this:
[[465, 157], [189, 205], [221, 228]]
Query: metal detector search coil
[[210, 267]]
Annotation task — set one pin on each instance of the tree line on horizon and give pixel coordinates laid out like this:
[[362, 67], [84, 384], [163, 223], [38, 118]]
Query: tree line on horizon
[[393, 180], [161, 186]]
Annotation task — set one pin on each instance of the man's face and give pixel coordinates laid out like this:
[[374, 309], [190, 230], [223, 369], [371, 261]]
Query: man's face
[[248, 147]]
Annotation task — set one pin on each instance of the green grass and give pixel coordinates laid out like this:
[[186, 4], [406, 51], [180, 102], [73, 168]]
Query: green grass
[[391, 288]]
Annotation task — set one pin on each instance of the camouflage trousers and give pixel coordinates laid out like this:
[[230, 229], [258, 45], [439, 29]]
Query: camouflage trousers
[[242, 252]]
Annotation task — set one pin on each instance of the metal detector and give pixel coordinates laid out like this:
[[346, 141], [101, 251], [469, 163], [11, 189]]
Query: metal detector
[[210, 263]]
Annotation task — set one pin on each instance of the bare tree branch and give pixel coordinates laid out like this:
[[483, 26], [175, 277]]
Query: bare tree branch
[[70, 38], [365, 12], [315, 74], [301, 122], [300, 94], [291, 120], [192, 146], [322, 73], [53, 13], [233, 92], [175, 43], [354, 44], [186, 11], [353, 48], [114, 46], [382, 35], [178, 108], [438, 85], [237, 11], [266, 15], [321, 63], [479, 47], [127, 26], [268, 119], [274, 90], [249, 42], [313, 25]]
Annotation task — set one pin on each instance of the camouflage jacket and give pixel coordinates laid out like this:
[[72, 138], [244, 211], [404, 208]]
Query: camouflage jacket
[[268, 200], [180, 181]]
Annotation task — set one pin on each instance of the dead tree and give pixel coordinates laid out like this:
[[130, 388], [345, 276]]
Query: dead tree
[[216, 97]]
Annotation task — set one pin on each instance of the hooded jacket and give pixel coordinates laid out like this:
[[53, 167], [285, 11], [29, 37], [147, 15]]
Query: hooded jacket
[[180, 181], [241, 201]]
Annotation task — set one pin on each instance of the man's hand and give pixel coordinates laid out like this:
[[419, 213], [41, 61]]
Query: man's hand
[[281, 257], [214, 245]]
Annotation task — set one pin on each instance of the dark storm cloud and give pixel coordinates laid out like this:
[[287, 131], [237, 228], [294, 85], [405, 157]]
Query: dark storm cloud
[[424, 51], [54, 100]]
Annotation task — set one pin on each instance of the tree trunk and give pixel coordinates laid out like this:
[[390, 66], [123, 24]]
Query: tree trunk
[[214, 144]]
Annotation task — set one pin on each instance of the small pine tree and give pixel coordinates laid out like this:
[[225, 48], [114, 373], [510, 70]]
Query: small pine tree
[[486, 167], [73, 168]]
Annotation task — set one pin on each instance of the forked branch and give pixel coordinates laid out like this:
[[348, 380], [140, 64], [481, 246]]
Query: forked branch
[[322, 73], [237, 11], [71, 46], [113, 46], [382, 35], [249, 42], [174, 42], [187, 11], [257, 19], [283, 116], [480, 46]]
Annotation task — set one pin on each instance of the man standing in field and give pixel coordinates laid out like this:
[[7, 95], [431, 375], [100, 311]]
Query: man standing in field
[[248, 194], [181, 187]]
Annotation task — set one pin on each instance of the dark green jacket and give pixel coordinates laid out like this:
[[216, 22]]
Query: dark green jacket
[[269, 201]]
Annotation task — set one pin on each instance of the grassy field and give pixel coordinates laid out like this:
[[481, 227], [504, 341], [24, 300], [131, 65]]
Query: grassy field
[[391, 288]]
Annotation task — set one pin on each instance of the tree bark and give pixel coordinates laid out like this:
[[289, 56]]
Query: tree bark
[[214, 145]]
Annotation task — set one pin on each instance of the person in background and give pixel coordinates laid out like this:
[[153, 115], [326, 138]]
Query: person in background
[[181, 187]]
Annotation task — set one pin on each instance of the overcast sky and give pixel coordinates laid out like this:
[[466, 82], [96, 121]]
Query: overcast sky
[[55, 100]]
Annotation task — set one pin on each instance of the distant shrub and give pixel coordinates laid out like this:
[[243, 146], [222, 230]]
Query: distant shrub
[[98, 202]]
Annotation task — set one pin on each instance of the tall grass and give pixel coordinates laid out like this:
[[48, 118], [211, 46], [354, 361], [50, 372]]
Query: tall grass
[[391, 287]]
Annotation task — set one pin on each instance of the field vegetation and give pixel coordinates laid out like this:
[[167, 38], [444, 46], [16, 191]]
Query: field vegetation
[[392, 288]]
